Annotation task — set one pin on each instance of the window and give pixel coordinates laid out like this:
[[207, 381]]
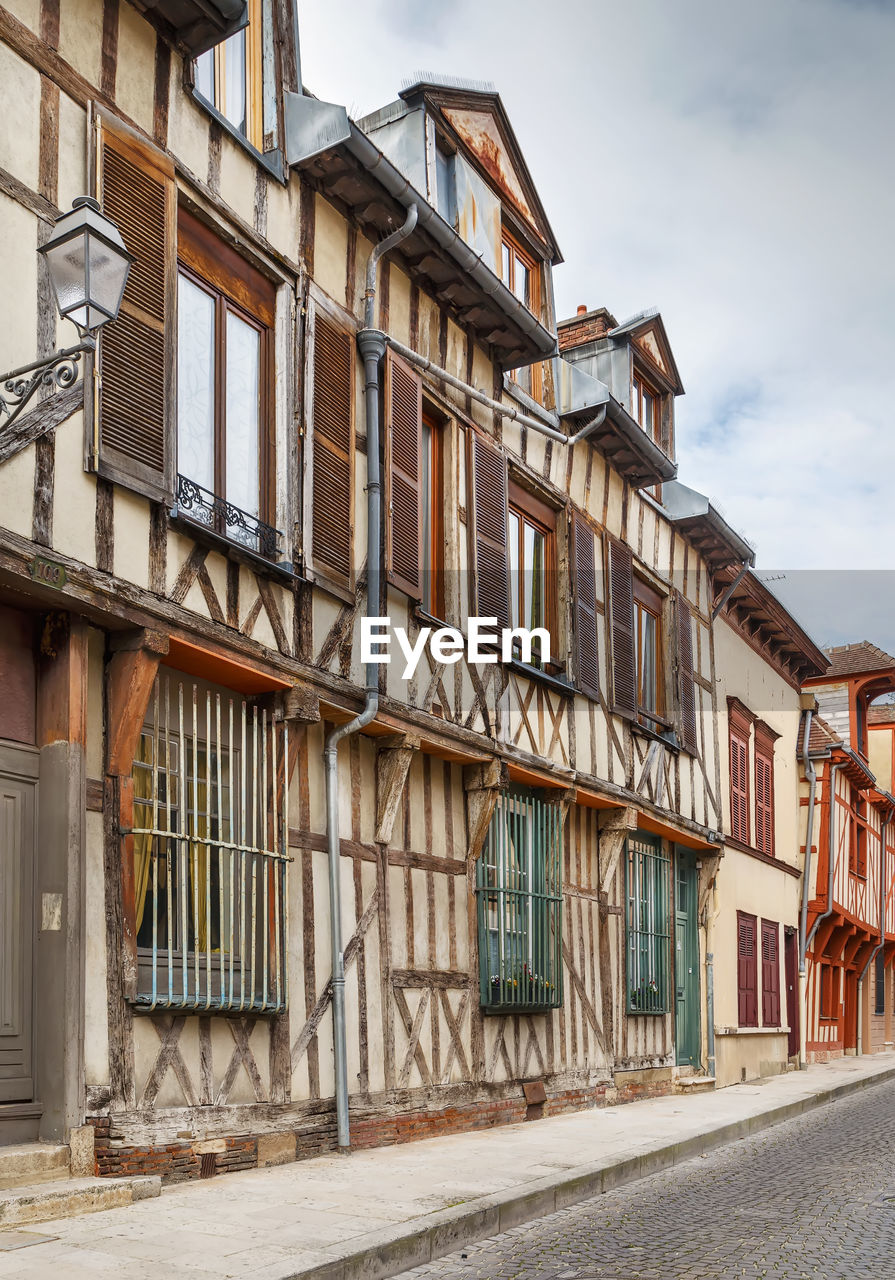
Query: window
[[648, 606], [531, 552], [648, 916], [858, 843], [224, 445], [747, 970], [829, 991], [519, 903], [770, 973], [740, 721], [521, 275], [209, 852], [230, 78], [445, 181], [879, 973], [646, 407], [433, 519]]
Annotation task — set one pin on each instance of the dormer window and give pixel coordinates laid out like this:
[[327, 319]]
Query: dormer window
[[522, 276], [646, 407], [229, 78]]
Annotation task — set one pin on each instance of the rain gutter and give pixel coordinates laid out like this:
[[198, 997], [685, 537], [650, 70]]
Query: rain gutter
[[371, 344]]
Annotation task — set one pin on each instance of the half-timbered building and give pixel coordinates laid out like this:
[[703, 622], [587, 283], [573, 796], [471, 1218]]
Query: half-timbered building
[[848, 882], [261, 893]]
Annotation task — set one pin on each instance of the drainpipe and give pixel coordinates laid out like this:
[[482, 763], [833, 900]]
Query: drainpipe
[[884, 837], [811, 775], [371, 344]]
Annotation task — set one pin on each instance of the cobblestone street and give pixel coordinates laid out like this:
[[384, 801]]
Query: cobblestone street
[[813, 1197]]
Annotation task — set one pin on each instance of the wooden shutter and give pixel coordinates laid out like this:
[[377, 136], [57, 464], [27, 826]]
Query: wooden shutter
[[403, 453], [739, 786], [132, 440], [621, 619], [764, 803], [492, 584], [332, 450], [584, 564], [770, 974], [747, 971], [686, 682]]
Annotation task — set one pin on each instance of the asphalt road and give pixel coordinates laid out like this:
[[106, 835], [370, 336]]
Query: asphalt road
[[810, 1199]]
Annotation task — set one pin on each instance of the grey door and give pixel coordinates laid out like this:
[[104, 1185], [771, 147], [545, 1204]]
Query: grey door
[[686, 961], [18, 811]]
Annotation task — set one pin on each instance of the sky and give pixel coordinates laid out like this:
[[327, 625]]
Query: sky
[[731, 164]]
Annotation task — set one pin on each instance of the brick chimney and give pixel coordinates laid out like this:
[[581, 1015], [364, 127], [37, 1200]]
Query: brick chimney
[[586, 326]]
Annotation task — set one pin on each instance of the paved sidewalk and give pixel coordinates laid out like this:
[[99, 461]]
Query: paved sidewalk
[[380, 1212]]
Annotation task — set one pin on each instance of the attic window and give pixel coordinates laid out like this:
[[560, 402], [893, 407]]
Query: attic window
[[445, 182], [522, 276], [229, 78], [646, 407]]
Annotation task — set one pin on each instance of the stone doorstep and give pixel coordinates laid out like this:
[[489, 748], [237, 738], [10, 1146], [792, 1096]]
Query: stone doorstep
[[42, 1202], [28, 1163], [694, 1084]]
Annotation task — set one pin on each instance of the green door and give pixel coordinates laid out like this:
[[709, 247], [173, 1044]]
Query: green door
[[686, 961]]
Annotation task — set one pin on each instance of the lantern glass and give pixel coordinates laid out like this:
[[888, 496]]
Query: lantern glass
[[88, 266]]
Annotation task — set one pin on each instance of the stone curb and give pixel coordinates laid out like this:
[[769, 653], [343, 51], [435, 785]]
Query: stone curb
[[425, 1239]]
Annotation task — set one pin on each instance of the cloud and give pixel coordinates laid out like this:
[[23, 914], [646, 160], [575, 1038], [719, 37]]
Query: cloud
[[730, 164]]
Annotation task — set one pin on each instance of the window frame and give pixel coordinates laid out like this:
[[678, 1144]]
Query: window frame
[[533, 374], [645, 937], [649, 601], [189, 722], [253, 38], [859, 834], [531, 510], [236, 288], [519, 986]]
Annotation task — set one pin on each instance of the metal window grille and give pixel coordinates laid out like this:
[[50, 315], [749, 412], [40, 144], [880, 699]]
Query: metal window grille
[[211, 799], [519, 899], [648, 941]]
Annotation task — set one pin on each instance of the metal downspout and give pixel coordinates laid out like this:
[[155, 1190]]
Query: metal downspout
[[371, 344], [811, 775]]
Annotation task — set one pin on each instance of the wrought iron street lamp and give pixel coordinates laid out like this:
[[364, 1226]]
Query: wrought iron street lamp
[[88, 266]]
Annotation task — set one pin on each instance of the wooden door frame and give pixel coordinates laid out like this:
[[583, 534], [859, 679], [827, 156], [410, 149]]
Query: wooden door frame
[[791, 978], [692, 985]]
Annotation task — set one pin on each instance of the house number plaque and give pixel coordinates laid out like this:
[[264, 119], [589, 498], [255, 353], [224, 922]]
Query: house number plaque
[[48, 572]]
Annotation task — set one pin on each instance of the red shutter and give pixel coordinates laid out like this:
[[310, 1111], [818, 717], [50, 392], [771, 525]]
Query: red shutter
[[404, 451], [770, 974], [621, 613], [686, 682], [764, 804], [585, 607], [332, 517], [135, 184], [492, 583], [739, 787], [747, 971]]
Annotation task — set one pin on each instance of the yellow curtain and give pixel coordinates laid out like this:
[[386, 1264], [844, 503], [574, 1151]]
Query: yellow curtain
[[142, 818]]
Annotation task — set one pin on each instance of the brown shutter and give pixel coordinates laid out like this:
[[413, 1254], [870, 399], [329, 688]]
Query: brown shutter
[[621, 613], [135, 185], [492, 584], [332, 465], [770, 974], [686, 682], [403, 452], [747, 971], [739, 787], [585, 607]]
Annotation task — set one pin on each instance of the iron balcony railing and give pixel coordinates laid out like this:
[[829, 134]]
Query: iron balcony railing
[[211, 799], [519, 903], [647, 892], [202, 506]]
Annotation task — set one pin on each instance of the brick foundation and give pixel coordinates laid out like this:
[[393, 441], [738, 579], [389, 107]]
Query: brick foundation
[[179, 1161]]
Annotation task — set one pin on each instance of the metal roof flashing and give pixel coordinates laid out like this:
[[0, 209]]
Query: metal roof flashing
[[320, 134], [693, 510]]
